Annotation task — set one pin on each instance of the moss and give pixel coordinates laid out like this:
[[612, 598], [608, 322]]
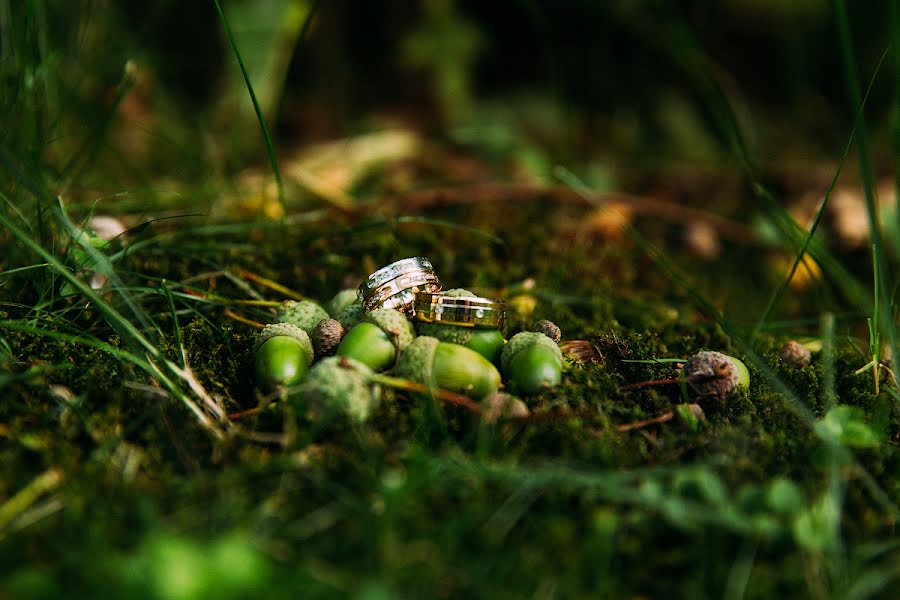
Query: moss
[[416, 509]]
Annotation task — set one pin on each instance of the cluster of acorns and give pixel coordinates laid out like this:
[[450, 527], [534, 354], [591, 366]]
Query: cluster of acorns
[[400, 321]]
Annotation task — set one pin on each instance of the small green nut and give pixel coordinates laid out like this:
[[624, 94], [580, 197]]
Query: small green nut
[[447, 366], [341, 300], [305, 314], [351, 315], [713, 376], [282, 355], [377, 340], [486, 342], [531, 363], [339, 386]]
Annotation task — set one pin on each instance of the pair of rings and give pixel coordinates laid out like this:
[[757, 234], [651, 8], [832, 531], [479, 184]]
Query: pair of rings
[[412, 287], [395, 285]]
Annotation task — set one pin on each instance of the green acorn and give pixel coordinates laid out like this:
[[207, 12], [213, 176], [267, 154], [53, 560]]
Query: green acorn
[[341, 300], [448, 366], [339, 386], [377, 339], [282, 355], [531, 362], [305, 314], [484, 341]]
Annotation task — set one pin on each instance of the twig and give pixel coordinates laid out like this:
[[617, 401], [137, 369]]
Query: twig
[[668, 416], [236, 317], [272, 285], [441, 394], [669, 381]]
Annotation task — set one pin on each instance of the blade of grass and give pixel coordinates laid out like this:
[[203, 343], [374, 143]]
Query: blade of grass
[[95, 139], [118, 322], [882, 306], [124, 355], [101, 264], [683, 47], [270, 149], [739, 576], [775, 298], [895, 138]]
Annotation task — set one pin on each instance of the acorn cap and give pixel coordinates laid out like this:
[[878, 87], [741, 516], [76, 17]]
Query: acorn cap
[[275, 329], [351, 315], [454, 334], [457, 292], [719, 375], [395, 324], [305, 314], [341, 300], [795, 354], [417, 359], [326, 336], [339, 385], [522, 340], [548, 328], [501, 405]]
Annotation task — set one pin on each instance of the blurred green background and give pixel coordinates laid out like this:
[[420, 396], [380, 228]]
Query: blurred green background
[[625, 85]]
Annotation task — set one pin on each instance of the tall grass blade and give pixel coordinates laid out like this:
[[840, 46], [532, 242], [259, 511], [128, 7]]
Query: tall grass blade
[[120, 324], [270, 149], [882, 309], [779, 292]]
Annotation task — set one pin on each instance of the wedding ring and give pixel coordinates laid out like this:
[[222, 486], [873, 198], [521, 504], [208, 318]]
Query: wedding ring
[[400, 293], [466, 311], [395, 285], [393, 271]]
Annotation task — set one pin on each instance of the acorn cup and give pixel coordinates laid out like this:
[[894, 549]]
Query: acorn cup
[[448, 366], [282, 355], [487, 342], [305, 314], [327, 336], [341, 300], [531, 362], [351, 315], [378, 338], [713, 376], [338, 387]]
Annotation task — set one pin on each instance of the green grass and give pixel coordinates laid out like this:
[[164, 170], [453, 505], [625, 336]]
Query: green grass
[[123, 475]]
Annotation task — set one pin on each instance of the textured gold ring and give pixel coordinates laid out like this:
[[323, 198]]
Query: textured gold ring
[[466, 311], [400, 293], [392, 271]]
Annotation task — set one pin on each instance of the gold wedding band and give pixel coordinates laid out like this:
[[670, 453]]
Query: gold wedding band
[[465, 311], [395, 285]]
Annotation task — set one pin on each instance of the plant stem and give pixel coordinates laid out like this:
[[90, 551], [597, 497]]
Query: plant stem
[[272, 285], [413, 386]]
